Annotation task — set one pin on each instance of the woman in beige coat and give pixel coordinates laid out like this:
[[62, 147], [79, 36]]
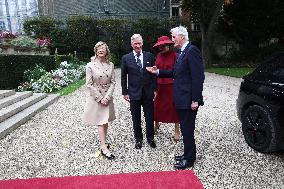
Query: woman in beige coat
[[100, 81]]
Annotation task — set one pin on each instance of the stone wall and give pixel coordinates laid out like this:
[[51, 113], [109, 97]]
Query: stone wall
[[9, 49]]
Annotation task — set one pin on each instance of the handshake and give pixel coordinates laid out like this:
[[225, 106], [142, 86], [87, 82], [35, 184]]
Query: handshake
[[152, 69]]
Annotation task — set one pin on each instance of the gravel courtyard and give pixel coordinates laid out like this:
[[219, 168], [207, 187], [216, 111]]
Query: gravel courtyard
[[56, 143]]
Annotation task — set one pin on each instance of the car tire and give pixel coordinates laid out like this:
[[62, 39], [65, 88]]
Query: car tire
[[259, 129]]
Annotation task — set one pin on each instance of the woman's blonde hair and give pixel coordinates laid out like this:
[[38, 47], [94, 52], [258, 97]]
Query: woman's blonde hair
[[99, 44]]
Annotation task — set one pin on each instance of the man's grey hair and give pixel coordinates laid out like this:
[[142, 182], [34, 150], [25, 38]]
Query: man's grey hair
[[136, 36], [180, 30]]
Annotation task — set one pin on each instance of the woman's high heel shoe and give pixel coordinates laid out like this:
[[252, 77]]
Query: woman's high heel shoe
[[175, 140], [108, 145], [110, 157]]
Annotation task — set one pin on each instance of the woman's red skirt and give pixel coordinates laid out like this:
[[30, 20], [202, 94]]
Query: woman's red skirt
[[164, 110]]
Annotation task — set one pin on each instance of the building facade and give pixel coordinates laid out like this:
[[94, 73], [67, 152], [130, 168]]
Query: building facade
[[106, 8], [14, 12]]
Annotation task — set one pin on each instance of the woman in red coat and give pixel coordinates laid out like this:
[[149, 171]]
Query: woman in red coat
[[164, 110]]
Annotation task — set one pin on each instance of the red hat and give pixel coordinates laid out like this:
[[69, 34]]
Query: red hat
[[163, 40]]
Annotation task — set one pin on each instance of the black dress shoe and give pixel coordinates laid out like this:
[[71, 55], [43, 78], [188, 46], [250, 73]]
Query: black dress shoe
[[152, 144], [110, 157], [108, 145], [138, 145], [178, 158], [183, 164]]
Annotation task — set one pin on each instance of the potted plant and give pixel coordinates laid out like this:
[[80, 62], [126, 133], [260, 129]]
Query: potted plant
[[43, 42], [6, 37]]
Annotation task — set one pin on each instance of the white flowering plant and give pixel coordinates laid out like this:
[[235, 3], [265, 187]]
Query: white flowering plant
[[54, 80]]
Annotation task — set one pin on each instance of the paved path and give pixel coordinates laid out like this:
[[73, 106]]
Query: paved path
[[56, 143]]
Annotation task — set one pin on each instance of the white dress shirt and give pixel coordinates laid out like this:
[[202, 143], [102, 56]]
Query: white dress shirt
[[183, 47], [140, 57]]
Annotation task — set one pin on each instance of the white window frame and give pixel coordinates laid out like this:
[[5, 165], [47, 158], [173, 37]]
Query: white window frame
[[179, 10]]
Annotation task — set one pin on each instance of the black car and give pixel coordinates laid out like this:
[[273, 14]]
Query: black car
[[260, 105]]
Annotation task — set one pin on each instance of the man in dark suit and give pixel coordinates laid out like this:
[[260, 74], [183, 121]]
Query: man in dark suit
[[139, 88], [188, 74]]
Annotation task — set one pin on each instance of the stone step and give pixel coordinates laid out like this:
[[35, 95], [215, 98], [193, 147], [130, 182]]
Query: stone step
[[11, 110], [5, 93], [20, 118], [14, 98]]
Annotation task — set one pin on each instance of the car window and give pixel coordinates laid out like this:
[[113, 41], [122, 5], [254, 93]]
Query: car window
[[271, 71], [278, 75]]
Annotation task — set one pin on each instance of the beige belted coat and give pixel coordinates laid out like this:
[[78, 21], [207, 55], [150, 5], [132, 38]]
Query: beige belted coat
[[100, 83]]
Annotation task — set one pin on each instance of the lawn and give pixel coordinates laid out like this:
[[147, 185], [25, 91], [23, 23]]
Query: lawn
[[233, 72], [71, 88]]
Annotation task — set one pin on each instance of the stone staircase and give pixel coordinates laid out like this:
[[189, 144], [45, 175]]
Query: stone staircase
[[18, 107]]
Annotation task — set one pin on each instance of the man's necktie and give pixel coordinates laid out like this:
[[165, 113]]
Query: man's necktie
[[138, 62]]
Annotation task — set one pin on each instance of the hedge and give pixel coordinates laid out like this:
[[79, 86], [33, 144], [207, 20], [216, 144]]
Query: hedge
[[80, 33], [249, 57], [12, 67]]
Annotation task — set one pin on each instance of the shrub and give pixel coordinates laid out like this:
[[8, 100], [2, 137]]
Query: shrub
[[62, 58], [44, 84], [43, 42], [7, 35], [12, 67], [24, 41], [40, 26], [249, 57], [114, 59], [80, 33], [54, 80], [34, 74]]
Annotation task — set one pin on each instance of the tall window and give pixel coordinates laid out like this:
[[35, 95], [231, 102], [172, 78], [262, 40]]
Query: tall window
[[1, 8], [195, 27], [33, 8], [175, 12], [23, 3], [2, 26]]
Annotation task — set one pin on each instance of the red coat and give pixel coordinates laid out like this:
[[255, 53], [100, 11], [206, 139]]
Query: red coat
[[165, 61], [164, 110]]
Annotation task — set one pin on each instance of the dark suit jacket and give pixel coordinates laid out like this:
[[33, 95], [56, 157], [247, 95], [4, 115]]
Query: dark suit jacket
[[133, 82], [188, 74]]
